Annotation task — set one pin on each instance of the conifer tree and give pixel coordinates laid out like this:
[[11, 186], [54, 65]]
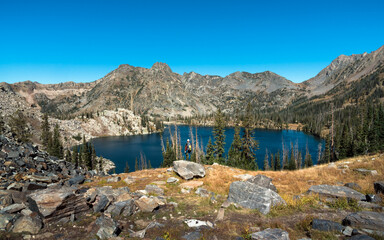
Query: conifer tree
[[272, 162], [308, 160], [219, 136], [209, 157], [56, 148], [292, 162], [126, 169], [168, 155], [68, 156], [45, 131], [266, 162], [234, 153], [277, 161], [249, 144], [136, 165], [18, 124], [299, 160], [75, 156]]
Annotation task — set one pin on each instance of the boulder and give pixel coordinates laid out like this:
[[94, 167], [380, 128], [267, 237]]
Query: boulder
[[108, 227], [202, 192], [366, 171], [336, 192], [271, 234], [102, 203], [125, 208], [146, 204], [154, 189], [13, 208], [326, 225], [263, 181], [379, 187], [114, 179], [129, 180], [27, 224], [250, 195], [55, 204], [366, 220], [188, 170], [79, 179]]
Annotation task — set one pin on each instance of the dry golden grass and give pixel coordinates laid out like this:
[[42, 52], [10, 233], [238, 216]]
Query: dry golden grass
[[289, 183]]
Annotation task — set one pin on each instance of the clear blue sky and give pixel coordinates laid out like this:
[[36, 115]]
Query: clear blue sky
[[64, 40]]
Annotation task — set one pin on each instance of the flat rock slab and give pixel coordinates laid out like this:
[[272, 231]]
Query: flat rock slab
[[191, 184], [188, 170], [172, 180], [271, 234], [154, 189], [252, 196], [366, 220], [263, 181], [27, 224], [366, 171], [336, 192], [326, 225]]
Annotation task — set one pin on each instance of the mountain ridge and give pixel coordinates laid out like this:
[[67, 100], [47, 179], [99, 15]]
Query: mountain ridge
[[158, 91]]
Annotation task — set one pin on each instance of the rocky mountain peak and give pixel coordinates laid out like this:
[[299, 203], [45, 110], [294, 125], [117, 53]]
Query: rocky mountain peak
[[159, 66]]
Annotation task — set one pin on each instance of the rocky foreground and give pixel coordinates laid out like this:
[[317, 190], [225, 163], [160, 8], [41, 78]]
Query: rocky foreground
[[43, 197]]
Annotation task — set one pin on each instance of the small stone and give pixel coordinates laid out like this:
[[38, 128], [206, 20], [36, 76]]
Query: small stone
[[146, 204], [274, 233], [220, 215], [348, 231], [114, 179], [326, 225], [172, 180], [197, 223]]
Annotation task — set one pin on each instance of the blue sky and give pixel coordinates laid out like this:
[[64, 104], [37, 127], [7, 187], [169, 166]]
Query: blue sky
[[81, 41]]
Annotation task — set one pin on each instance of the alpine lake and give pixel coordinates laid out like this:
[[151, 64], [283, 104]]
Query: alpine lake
[[125, 149]]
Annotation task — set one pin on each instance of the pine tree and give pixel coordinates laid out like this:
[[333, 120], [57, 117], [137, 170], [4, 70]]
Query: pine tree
[[249, 144], [219, 136], [292, 162], [277, 161], [126, 169], [45, 131], [266, 162], [18, 124], [327, 155], [75, 156], [168, 156], [56, 148], [93, 157], [308, 160], [234, 153], [272, 162], [136, 165], [299, 160], [209, 157]]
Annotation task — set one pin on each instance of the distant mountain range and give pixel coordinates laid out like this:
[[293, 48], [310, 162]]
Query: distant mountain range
[[158, 91]]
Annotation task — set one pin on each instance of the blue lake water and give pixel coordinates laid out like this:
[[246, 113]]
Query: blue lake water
[[126, 149]]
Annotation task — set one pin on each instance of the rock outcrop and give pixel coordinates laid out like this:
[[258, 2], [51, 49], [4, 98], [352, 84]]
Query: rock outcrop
[[336, 192]]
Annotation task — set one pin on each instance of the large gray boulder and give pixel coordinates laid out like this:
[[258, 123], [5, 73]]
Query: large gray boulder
[[263, 181], [55, 204], [188, 170], [125, 208], [271, 234], [249, 195], [366, 220], [336, 192]]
